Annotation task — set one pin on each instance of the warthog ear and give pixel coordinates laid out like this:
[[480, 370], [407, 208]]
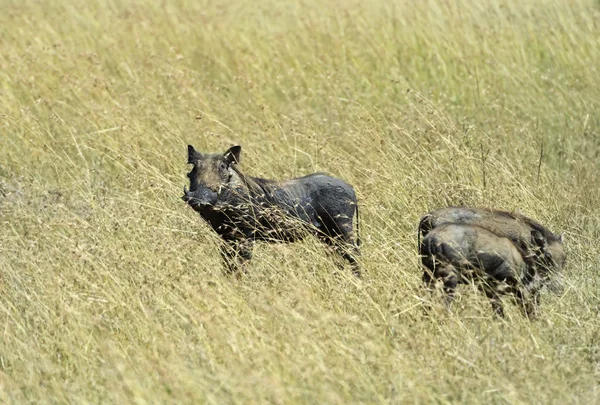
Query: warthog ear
[[193, 155], [233, 155]]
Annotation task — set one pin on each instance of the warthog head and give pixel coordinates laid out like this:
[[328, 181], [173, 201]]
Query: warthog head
[[209, 175], [553, 259]]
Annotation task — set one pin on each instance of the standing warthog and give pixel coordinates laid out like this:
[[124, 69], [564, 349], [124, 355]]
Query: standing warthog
[[542, 250], [461, 253], [244, 209]]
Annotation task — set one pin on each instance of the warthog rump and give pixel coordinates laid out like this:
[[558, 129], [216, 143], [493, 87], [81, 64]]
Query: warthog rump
[[244, 209]]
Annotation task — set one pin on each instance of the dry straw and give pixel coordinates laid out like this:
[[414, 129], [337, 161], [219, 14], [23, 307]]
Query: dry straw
[[111, 288]]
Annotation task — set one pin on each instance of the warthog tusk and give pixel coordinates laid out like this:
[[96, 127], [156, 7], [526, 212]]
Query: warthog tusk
[[185, 191]]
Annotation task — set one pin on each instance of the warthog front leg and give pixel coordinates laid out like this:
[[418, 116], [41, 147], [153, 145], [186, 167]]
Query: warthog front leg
[[528, 301], [235, 254], [528, 294]]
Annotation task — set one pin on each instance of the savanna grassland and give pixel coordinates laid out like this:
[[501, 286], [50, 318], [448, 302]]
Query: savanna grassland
[[111, 288]]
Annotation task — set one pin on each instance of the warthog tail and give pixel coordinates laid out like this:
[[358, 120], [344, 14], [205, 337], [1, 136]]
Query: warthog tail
[[358, 242]]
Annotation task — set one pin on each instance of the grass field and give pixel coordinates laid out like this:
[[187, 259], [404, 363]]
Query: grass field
[[111, 288]]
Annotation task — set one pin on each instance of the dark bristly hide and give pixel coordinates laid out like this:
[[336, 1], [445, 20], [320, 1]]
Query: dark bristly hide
[[244, 209]]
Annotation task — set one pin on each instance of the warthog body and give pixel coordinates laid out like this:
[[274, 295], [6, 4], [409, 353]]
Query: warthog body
[[461, 253], [541, 249], [244, 209]]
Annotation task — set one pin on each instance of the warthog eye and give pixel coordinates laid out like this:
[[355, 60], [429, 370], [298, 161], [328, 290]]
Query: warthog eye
[[223, 172]]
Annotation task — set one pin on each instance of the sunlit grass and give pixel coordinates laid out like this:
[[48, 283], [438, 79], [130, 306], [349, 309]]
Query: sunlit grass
[[111, 288]]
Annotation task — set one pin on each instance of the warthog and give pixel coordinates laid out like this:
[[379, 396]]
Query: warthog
[[461, 253], [244, 209], [541, 249]]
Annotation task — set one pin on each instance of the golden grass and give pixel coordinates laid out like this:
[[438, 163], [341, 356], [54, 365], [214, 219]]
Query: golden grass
[[111, 288]]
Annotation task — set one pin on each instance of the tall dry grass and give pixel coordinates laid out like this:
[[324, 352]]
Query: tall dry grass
[[111, 289]]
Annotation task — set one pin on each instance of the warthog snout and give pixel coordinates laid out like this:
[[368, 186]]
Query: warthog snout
[[556, 285], [200, 197]]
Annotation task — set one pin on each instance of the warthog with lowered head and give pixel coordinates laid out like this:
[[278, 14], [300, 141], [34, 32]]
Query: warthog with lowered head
[[459, 254], [542, 250], [244, 209]]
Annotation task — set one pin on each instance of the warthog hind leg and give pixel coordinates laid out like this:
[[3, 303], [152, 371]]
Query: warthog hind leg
[[340, 236], [450, 279]]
